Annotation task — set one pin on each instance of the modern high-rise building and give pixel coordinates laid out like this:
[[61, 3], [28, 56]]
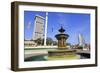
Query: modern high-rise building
[[38, 31], [81, 40]]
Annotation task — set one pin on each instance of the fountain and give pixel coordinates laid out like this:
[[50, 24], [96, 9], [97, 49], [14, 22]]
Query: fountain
[[62, 52], [62, 38]]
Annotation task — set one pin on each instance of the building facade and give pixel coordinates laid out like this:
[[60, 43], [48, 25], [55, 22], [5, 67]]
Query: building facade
[[38, 31], [81, 40]]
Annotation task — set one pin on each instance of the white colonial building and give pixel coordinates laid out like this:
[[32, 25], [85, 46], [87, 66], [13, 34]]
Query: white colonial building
[[29, 43]]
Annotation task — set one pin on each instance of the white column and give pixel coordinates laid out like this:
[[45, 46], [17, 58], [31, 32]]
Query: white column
[[45, 35]]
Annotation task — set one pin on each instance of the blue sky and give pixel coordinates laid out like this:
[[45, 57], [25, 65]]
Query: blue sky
[[73, 23]]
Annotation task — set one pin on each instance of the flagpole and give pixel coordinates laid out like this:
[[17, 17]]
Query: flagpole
[[45, 36]]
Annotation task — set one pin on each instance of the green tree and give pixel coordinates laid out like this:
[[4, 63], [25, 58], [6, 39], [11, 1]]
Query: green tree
[[80, 47], [49, 41], [69, 44], [39, 41], [55, 43]]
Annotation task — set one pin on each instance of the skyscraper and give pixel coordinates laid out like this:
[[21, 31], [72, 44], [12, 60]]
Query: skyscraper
[[81, 40], [38, 27]]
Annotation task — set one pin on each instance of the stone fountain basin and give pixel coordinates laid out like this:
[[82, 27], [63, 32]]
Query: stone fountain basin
[[62, 54]]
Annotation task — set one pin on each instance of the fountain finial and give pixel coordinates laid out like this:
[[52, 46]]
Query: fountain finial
[[61, 29]]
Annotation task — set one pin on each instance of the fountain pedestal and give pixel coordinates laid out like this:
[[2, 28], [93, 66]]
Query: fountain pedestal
[[62, 37], [62, 52]]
